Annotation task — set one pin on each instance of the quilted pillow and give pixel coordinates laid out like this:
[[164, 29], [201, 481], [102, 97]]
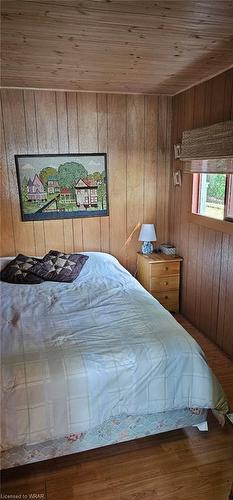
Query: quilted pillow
[[58, 266], [18, 271]]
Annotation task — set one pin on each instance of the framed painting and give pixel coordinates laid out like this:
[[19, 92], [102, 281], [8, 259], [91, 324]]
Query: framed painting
[[62, 186]]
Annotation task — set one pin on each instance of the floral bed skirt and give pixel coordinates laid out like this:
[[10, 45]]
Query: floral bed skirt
[[112, 431]]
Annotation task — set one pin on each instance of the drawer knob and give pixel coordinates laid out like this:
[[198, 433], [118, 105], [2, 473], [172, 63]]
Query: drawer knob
[[166, 283], [166, 297], [166, 268]]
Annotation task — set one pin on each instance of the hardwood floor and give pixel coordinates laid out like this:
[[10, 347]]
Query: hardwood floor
[[178, 465]]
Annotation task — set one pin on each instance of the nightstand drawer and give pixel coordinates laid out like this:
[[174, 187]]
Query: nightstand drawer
[[165, 269], [171, 307], [165, 283], [166, 298]]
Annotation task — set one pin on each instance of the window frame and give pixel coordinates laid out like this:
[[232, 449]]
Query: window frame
[[229, 184], [224, 226], [196, 184]]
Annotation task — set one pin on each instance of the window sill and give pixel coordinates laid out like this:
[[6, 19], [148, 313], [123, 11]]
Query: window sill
[[214, 224]]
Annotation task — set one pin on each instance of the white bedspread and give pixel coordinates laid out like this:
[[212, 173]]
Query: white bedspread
[[76, 354]]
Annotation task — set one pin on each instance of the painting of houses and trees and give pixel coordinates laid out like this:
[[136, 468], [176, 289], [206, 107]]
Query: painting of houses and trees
[[62, 186]]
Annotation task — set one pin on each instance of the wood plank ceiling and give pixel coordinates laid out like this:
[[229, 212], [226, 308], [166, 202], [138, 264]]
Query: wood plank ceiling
[[129, 46]]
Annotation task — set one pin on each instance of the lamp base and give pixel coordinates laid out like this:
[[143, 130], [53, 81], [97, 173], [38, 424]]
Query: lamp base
[[147, 248]]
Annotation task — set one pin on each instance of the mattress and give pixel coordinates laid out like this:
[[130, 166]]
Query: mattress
[[75, 355], [114, 430]]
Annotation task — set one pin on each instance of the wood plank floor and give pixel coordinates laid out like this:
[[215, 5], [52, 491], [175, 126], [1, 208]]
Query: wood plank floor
[[178, 465]]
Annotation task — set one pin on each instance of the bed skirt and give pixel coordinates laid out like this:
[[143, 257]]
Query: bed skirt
[[112, 431]]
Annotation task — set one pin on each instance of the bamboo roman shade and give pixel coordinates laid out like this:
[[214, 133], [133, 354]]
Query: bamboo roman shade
[[208, 149]]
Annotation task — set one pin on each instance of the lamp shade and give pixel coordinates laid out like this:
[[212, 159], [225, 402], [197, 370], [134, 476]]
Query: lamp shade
[[147, 233]]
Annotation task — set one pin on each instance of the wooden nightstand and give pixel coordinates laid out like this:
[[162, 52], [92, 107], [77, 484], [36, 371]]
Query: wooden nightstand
[[160, 275]]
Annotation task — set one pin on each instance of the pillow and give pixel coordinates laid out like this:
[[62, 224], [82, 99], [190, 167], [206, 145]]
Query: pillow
[[58, 266], [4, 261], [18, 271]]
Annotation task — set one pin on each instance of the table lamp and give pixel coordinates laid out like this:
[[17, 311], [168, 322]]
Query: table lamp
[[147, 235]]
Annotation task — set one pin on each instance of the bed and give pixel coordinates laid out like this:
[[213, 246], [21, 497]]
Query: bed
[[95, 362]]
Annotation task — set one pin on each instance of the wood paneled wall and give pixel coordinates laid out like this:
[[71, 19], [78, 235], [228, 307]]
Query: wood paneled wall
[[207, 284], [134, 130]]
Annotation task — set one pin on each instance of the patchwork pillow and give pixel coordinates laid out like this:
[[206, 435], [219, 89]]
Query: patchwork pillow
[[58, 266], [18, 271]]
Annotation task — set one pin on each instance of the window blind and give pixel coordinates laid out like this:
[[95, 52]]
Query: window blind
[[208, 149]]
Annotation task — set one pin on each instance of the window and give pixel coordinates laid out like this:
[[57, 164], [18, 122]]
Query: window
[[213, 196]]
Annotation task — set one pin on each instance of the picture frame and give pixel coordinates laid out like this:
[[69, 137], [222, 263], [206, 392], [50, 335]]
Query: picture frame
[[62, 186]]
